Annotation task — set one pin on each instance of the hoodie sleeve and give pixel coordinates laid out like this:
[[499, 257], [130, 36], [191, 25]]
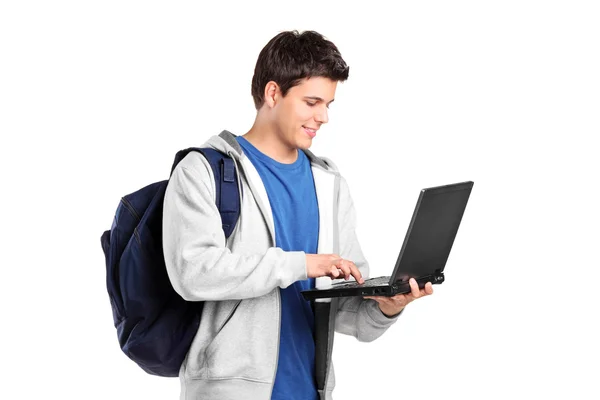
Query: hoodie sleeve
[[356, 316], [199, 264]]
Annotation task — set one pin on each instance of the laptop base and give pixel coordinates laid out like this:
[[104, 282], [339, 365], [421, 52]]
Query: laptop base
[[346, 289]]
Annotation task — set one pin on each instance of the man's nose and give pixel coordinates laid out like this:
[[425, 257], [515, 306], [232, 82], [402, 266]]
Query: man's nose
[[322, 116]]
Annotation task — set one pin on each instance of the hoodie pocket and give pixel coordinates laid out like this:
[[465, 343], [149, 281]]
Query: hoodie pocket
[[242, 348], [224, 323]]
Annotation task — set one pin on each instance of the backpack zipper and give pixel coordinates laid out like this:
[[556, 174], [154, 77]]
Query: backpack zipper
[[129, 207]]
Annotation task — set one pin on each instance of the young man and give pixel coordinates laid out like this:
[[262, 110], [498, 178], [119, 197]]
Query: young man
[[258, 338]]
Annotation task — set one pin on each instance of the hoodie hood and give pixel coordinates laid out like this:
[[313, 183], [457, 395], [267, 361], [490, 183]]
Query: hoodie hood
[[226, 142]]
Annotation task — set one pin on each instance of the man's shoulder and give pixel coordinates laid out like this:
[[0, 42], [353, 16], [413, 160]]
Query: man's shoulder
[[195, 163]]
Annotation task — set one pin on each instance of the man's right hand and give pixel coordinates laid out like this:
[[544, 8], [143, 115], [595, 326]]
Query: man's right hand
[[331, 265]]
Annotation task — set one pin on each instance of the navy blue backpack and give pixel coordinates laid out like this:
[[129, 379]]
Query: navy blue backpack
[[155, 325]]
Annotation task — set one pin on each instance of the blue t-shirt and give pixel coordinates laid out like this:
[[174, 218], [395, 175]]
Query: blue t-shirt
[[293, 200]]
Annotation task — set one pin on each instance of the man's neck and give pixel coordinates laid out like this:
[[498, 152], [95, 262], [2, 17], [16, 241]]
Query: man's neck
[[268, 142]]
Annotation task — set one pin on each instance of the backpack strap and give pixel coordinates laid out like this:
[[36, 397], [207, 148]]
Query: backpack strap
[[227, 194]]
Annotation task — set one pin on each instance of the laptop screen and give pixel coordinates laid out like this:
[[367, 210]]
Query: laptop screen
[[432, 230]]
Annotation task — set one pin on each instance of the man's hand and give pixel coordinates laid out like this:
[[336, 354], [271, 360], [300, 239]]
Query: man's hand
[[331, 265], [391, 306]]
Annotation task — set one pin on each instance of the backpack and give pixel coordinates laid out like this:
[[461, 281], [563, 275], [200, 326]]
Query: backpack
[[155, 325]]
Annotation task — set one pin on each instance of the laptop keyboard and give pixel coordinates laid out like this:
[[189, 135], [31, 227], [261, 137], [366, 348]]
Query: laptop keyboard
[[379, 281]]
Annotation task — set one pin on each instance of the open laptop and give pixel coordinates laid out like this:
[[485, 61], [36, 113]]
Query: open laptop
[[426, 247]]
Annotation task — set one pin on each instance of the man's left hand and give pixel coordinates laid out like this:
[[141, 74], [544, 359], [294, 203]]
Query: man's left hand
[[392, 306]]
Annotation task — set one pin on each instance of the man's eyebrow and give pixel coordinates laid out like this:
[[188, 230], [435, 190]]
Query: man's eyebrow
[[318, 99]]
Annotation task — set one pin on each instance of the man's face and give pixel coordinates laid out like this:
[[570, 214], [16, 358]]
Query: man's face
[[299, 115]]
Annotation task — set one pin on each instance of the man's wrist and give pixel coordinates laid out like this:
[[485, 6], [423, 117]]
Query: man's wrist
[[391, 314]]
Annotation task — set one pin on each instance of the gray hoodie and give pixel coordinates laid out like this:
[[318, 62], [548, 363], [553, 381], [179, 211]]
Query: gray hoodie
[[235, 352]]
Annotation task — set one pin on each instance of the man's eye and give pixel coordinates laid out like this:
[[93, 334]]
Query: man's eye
[[311, 104]]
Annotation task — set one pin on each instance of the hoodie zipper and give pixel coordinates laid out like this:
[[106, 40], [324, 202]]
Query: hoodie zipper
[[276, 363], [272, 233], [278, 294]]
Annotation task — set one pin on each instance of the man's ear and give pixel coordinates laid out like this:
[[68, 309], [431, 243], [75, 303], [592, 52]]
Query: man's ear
[[272, 94]]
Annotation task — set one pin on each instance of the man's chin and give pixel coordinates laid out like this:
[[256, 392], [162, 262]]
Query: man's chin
[[304, 144]]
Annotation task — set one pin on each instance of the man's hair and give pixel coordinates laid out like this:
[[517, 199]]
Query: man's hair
[[290, 57]]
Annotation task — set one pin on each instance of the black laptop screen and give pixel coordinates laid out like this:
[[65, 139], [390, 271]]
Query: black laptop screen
[[433, 228]]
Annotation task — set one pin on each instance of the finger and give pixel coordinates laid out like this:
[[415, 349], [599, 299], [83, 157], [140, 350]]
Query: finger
[[401, 299], [428, 288], [334, 272], [388, 300], [336, 261], [345, 267], [379, 299], [374, 298], [356, 272], [414, 288]]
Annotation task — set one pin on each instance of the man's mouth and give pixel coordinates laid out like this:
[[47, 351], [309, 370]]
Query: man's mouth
[[312, 132]]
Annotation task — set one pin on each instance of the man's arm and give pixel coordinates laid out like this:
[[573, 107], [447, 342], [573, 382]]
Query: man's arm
[[199, 264]]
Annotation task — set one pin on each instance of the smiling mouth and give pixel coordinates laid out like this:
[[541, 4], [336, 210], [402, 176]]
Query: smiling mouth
[[312, 132]]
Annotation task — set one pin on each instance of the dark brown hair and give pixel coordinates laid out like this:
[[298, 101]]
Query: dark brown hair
[[290, 57]]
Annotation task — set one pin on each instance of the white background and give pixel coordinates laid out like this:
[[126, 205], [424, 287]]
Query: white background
[[96, 98]]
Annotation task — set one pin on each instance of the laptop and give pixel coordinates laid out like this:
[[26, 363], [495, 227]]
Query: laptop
[[425, 250]]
